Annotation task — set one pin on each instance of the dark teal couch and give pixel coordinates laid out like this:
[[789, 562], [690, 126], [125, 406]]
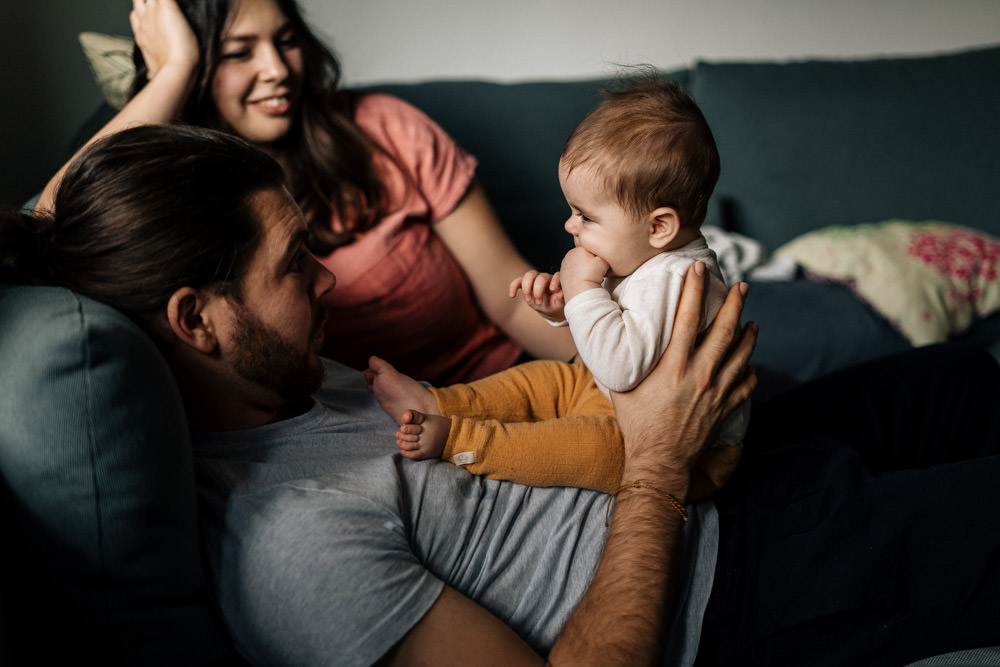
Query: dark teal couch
[[101, 552]]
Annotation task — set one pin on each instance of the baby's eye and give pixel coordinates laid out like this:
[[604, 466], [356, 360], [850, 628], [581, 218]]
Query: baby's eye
[[584, 218]]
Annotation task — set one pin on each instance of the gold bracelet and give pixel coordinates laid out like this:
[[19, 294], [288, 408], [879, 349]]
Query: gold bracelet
[[676, 504]]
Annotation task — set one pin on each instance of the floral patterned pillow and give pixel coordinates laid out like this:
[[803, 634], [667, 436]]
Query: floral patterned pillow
[[932, 280]]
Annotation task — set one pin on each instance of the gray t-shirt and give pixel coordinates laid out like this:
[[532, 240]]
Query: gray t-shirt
[[326, 546]]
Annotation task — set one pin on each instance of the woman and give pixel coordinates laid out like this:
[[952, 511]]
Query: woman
[[423, 265]]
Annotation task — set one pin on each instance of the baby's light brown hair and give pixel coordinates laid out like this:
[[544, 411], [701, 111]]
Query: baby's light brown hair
[[650, 145]]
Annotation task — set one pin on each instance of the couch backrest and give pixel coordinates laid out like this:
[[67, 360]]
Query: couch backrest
[[810, 144], [101, 557], [517, 132], [804, 145]]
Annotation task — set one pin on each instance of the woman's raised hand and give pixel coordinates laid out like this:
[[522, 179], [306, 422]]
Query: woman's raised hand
[[163, 36]]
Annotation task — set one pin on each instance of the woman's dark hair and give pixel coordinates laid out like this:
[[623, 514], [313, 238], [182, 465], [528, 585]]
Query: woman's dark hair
[[328, 158], [142, 213]]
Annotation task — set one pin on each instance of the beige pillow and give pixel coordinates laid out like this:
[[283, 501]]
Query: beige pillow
[[932, 280], [110, 57]]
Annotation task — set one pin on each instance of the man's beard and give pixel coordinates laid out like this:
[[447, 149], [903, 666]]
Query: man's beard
[[266, 359]]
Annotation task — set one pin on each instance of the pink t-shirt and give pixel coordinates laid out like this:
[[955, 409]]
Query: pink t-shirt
[[400, 294]]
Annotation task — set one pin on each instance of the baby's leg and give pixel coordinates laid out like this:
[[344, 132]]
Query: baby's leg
[[527, 392], [582, 450], [396, 392], [422, 436]]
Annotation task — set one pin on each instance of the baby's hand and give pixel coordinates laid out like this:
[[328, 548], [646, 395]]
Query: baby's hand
[[581, 270], [543, 292]]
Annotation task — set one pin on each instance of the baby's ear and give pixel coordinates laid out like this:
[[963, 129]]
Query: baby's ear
[[664, 224]]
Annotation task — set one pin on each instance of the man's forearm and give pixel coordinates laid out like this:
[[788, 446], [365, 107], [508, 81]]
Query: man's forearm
[[622, 618]]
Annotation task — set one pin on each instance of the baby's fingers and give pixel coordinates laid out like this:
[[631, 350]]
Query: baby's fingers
[[525, 282], [540, 287], [515, 286]]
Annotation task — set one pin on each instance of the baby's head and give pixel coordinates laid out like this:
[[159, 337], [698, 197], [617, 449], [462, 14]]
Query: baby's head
[[648, 152]]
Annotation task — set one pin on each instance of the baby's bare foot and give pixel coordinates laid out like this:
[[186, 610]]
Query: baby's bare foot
[[396, 392], [422, 436]]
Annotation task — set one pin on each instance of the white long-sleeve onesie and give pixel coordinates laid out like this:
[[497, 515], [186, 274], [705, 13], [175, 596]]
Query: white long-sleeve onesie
[[622, 328]]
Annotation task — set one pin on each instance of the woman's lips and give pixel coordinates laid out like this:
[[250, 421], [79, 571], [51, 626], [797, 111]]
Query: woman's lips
[[273, 106]]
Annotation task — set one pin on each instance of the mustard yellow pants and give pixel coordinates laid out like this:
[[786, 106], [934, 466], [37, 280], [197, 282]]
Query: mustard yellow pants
[[545, 423]]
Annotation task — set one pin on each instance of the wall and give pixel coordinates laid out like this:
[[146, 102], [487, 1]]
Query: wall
[[531, 39], [49, 89]]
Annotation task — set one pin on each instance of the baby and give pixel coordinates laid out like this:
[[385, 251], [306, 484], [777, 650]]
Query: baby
[[637, 174]]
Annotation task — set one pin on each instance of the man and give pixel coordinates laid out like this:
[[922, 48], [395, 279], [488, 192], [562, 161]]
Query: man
[[328, 548]]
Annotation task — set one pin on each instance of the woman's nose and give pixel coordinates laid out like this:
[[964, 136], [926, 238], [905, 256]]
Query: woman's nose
[[272, 64]]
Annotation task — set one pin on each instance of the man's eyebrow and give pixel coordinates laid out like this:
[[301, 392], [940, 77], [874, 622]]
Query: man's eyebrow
[[299, 238]]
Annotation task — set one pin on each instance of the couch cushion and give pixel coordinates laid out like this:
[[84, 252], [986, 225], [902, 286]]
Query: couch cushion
[[810, 144], [809, 329], [101, 551], [931, 280]]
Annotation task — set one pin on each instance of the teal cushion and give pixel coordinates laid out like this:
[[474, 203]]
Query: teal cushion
[[98, 491], [979, 657], [810, 144]]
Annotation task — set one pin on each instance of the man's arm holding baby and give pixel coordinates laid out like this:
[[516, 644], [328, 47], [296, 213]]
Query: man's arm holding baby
[[666, 423]]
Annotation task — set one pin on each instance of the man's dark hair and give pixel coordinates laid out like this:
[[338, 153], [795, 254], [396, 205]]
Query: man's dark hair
[[142, 213]]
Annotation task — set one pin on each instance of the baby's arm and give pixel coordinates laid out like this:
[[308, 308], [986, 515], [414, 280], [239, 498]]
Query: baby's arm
[[543, 292], [621, 341]]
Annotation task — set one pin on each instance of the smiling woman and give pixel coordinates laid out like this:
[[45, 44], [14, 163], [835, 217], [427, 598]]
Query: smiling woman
[[390, 199], [258, 81]]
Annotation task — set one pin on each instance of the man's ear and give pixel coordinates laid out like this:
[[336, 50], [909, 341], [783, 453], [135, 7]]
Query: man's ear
[[664, 224], [192, 320]]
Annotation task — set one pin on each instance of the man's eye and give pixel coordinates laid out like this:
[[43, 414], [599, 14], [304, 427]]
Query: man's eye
[[297, 263]]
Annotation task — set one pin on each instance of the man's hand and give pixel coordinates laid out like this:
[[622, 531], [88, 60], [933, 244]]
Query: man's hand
[[669, 418], [581, 270], [543, 292]]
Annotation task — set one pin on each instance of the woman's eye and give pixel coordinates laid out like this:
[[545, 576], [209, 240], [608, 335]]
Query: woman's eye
[[289, 41], [235, 55], [297, 263]]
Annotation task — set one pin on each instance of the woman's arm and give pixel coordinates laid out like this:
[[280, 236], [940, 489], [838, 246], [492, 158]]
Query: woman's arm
[[666, 423], [473, 235], [170, 49]]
